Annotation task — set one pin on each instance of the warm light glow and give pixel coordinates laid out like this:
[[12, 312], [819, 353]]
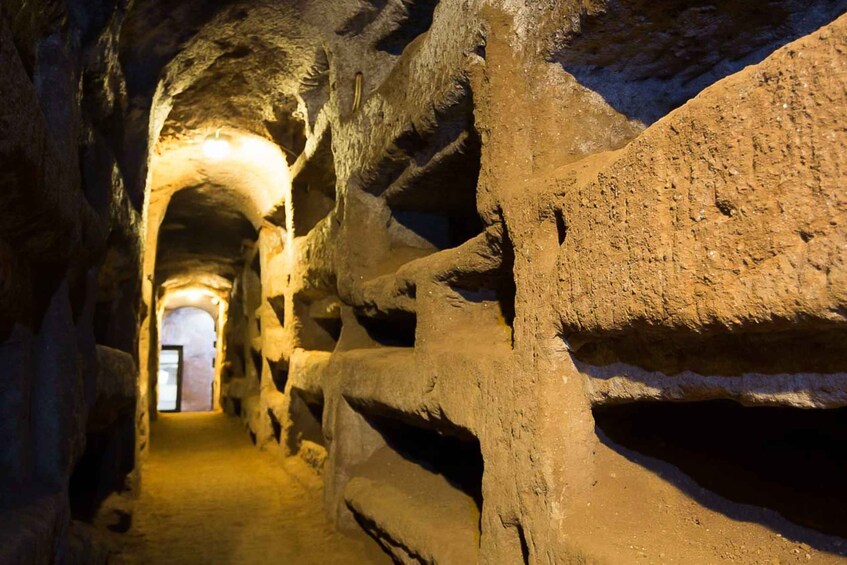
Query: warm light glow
[[216, 147], [195, 295]]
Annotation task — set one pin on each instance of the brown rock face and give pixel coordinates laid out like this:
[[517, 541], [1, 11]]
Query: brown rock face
[[516, 282]]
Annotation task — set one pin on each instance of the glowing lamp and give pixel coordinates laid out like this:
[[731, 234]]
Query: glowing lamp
[[194, 295], [216, 147]]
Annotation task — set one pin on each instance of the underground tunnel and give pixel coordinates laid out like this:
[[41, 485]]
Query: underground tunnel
[[423, 281]]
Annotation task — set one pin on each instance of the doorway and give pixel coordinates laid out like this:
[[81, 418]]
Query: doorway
[[191, 330], [170, 379]]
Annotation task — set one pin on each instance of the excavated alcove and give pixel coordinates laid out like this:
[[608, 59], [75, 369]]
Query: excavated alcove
[[256, 356], [314, 87], [647, 58], [313, 188], [276, 426], [789, 460], [486, 292], [109, 457], [318, 321], [429, 180], [279, 373], [400, 23], [421, 494], [416, 21], [457, 457], [277, 304], [393, 329], [726, 354], [306, 416]]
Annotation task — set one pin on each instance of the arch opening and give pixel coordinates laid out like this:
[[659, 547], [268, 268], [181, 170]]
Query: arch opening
[[187, 361]]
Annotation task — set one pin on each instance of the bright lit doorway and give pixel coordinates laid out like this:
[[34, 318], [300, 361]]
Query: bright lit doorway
[[186, 377], [170, 379]]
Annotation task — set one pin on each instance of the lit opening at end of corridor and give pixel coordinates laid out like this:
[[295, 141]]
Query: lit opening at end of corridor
[[188, 375]]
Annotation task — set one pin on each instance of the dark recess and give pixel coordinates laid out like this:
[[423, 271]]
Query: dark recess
[[275, 425], [108, 458], [257, 362], [357, 23], [789, 460], [726, 354], [314, 333], [313, 189], [306, 422], [279, 373], [396, 329], [418, 20], [457, 460], [277, 304], [561, 226], [642, 58]]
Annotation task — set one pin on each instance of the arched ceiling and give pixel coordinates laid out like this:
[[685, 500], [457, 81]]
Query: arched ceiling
[[254, 171], [259, 71], [202, 235]]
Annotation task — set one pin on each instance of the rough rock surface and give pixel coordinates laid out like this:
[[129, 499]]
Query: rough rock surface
[[546, 262]]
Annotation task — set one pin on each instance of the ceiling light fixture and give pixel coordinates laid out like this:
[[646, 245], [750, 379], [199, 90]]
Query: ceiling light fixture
[[216, 147]]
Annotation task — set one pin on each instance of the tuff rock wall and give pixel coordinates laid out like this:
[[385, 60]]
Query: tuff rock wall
[[539, 282], [70, 277], [564, 283]]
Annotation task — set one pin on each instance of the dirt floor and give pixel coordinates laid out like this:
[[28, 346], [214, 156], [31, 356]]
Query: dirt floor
[[209, 496]]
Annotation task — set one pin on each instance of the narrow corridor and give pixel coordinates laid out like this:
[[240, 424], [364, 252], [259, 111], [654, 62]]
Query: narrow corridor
[[209, 496], [430, 282]]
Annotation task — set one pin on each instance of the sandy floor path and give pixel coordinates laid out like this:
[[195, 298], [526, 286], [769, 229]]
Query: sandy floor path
[[210, 497]]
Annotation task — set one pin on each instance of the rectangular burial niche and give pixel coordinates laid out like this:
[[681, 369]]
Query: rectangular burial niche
[[437, 203], [642, 58], [429, 182], [306, 418], [392, 329], [790, 460], [279, 373], [276, 426], [458, 458], [313, 188], [425, 483], [494, 288], [256, 355], [318, 321]]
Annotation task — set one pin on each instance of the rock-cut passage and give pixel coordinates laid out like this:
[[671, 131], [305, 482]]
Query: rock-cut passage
[[209, 496]]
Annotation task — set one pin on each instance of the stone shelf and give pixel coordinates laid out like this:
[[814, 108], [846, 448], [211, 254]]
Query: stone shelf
[[414, 513], [411, 187], [306, 372], [439, 394], [621, 383], [322, 127], [475, 258]]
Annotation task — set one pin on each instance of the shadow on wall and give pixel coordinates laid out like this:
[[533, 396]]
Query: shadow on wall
[[647, 58], [194, 330], [787, 461]]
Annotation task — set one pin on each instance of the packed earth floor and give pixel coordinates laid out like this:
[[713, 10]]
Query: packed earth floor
[[209, 496]]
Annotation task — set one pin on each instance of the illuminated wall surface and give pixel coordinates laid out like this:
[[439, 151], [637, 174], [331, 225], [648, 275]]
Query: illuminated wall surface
[[511, 282], [194, 330]]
